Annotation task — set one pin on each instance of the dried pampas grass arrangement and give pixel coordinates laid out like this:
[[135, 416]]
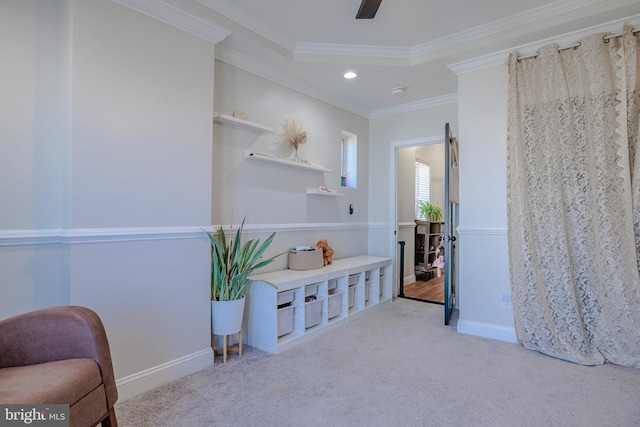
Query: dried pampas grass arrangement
[[292, 134]]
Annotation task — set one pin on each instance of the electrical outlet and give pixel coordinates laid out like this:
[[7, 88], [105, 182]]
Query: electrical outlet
[[506, 301]]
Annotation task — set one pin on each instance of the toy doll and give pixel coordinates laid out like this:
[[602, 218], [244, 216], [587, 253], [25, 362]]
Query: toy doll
[[439, 261]]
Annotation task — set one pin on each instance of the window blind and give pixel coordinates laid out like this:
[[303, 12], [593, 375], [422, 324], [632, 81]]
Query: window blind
[[423, 180]]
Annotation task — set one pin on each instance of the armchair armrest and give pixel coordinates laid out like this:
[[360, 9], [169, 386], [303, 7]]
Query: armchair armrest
[[57, 333]]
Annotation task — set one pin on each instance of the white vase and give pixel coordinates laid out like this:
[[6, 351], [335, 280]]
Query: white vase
[[226, 316]]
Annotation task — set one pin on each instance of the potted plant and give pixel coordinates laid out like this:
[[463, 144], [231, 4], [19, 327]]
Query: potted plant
[[231, 264], [429, 211]]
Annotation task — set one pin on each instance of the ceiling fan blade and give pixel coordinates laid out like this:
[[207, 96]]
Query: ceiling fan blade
[[368, 9]]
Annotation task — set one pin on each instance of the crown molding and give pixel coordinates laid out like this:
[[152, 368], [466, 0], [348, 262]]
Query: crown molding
[[495, 27], [411, 54], [234, 13], [407, 55], [436, 101], [175, 14], [353, 50], [501, 57], [480, 62]]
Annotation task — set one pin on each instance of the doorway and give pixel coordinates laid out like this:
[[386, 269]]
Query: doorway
[[403, 225], [420, 173]]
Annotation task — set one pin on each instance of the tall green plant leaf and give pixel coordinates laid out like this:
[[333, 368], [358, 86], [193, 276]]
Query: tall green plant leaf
[[232, 262]]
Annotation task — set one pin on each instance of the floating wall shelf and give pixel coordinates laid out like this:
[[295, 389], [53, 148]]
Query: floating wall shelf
[[225, 118], [316, 191], [286, 162]]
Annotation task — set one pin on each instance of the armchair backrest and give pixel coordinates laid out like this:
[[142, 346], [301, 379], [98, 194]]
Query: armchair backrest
[[57, 333]]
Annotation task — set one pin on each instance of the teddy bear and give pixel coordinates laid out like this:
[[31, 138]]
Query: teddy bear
[[327, 252]]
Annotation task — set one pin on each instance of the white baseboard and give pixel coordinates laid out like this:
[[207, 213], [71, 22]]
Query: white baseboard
[[409, 279], [487, 330], [148, 379]]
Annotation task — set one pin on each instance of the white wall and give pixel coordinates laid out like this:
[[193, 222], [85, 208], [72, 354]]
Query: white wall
[[33, 40], [273, 197], [106, 179], [483, 258], [141, 144], [406, 194], [406, 188], [32, 36]]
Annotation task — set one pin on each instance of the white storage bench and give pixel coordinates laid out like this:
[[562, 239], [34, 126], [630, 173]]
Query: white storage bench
[[279, 318]]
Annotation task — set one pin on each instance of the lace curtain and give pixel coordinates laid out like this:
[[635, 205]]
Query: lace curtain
[[573, 198]]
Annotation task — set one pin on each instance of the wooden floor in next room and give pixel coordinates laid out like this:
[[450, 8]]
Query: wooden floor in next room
[[431, 289]]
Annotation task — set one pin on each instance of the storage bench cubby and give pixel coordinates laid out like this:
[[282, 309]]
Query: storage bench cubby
[[284, 308], [312, 313], [285, 320], [335, 302]]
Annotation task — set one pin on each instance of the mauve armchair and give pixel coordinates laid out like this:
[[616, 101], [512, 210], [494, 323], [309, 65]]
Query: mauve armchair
[[59, 355]]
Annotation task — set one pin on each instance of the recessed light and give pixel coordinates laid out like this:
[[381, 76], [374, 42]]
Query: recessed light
[[350, 75], [398, 91]]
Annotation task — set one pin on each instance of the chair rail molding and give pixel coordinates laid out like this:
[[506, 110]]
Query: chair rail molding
[[95, 235], [483, 231], [407, 225], [76, 236]]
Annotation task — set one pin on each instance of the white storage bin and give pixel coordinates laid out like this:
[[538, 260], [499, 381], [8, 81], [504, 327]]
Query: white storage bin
[[312, 313], [285, 320], [367, 288], [335, 304], [285, 297], [352, 296], [353, 279], [310, 290], [333, 283]]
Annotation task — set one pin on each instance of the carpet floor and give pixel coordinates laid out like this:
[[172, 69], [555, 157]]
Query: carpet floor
[[396, 365]]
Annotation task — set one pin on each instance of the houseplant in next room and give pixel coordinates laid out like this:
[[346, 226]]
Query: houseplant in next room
[[429, 211], [231, 264]]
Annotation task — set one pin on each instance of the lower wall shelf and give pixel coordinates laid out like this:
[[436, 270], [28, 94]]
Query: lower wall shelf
[[341, 290], [318, 192]]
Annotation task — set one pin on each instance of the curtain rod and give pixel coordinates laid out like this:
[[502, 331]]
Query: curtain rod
[[605, 39]]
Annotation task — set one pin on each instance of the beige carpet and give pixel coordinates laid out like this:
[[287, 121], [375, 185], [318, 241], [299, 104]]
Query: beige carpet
[[394, 366]]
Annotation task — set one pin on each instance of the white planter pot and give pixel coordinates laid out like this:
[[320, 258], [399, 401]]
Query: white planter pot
[[226, 316]]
